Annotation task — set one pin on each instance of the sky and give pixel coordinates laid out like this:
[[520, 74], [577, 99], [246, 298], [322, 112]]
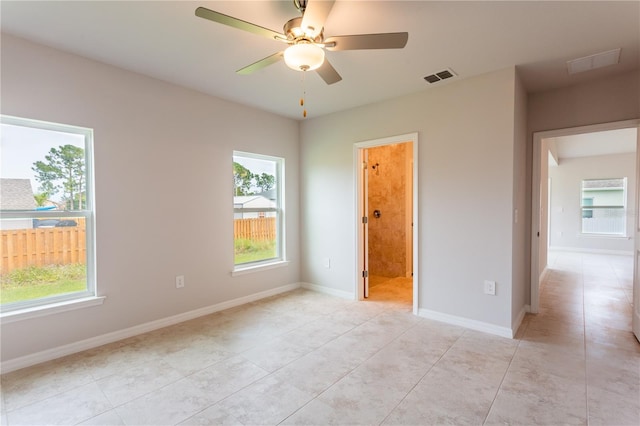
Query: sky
[[256, 165], [20, 147]]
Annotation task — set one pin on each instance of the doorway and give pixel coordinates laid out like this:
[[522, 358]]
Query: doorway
[[565, 213], [386, 229]]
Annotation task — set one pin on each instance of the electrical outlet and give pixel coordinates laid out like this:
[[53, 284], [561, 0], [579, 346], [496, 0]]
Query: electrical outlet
[[327, 262], [180, 281], [490, 288]]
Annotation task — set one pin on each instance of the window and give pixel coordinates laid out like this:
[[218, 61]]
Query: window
[[46, 213], [604, 206], [257, 205]]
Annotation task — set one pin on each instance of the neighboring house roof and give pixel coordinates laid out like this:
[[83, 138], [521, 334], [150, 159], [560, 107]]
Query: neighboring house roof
[[603, 183], [252, 202], [270, 194], [16, 194]]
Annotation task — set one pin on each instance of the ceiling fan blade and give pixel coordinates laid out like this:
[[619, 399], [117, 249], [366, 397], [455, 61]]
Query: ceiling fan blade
[[328, 73], [315, 15], [367, 41], [230, 21], [265, 62]]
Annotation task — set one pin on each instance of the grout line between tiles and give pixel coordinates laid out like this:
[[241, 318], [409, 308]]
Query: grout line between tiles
[[354, 368], [423, 376]]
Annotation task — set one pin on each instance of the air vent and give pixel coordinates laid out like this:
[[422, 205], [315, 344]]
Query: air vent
[[599, 60], [441, 75]]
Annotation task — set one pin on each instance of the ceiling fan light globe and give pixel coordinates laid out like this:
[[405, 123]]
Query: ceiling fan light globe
[[304, 56]]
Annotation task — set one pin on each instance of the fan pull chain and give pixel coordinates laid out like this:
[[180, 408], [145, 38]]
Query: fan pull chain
[[304, 94]]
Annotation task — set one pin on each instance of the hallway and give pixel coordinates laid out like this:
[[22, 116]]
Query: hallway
[[582, 336]]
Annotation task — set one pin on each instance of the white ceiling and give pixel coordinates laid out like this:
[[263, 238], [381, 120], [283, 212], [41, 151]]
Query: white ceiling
[[164, 39], [608, 142]]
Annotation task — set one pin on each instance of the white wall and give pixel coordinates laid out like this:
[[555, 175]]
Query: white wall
[[163, 159], [566, 182], [466, 188]]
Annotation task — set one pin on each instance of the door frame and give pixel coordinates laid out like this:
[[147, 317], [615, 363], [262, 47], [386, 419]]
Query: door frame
[[358, 149], [539, 220]]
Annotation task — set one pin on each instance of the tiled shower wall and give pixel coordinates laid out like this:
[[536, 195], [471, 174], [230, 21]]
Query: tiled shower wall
[[387, 188]]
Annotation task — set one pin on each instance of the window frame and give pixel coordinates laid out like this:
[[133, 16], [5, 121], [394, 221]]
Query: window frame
[[280, 258], [88, 213], [593, 208]]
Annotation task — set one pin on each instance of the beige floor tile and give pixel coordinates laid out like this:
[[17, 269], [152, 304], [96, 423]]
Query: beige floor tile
[[446, 396], [167, 406], [309, 358], [197, 357], [555, 360], [614, 338], [109, 418], [276, 354], [317, 371], [609, 408], [114, 358], [70, 407], [26, 386], [212, 416], [267, 402], [515, 407], [226, 377], [316, 333], [137, 381], [360, 400]]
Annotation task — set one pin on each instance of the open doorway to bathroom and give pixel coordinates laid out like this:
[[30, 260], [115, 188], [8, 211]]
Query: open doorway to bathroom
[[386, 215]]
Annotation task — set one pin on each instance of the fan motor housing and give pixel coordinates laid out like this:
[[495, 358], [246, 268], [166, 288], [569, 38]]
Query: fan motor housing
[[293, 30]]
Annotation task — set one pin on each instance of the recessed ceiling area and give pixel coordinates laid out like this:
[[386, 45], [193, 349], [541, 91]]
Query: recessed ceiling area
[[595, 144], [165, 40]]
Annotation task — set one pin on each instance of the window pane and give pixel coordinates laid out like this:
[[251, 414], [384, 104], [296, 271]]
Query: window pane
[[43, 258], [42, 169], [46, 213], [256, 205], [603, 206]]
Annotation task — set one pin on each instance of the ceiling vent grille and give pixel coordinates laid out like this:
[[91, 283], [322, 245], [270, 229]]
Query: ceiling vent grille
[[599, 60], [441, 75]]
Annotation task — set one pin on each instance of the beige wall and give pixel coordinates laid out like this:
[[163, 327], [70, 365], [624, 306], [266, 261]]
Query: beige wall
[[521, 228], [163, 171], [387, 193], [566, 181], [465, 200], [601, 101]]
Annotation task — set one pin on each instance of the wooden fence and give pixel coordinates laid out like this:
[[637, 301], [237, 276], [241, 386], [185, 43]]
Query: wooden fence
[[258, 229], [21, 248], [42, 246]]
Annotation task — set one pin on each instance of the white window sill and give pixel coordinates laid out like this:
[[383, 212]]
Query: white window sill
[[605, 236], [258, 268], [53, 308]]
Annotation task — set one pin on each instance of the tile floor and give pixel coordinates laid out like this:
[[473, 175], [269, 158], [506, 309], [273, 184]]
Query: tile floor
[[308, 358]]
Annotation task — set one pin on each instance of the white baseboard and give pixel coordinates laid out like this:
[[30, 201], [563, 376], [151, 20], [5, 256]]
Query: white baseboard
[[327, 290], [93, 342], [467, 323], [544, 274], [592, 251], [516, 324]]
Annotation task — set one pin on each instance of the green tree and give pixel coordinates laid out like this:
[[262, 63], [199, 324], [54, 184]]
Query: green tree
[[63, 170], [241, 179], [41, 198], [264, 181]]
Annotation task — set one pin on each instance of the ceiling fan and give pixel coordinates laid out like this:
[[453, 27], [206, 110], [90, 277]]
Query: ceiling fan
[[306, 40]]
